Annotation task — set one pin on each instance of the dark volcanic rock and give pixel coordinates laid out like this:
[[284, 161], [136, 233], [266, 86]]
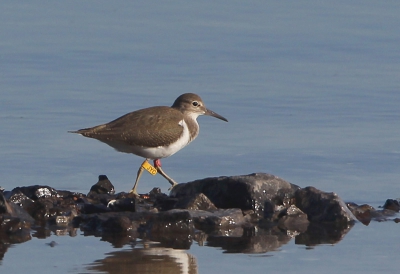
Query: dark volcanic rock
[[124, 204], [363, 213], [259, 192], [323, 207], [217, 219], [293, 218], [98, 223], [366, 213], [10, 209], [250, 213], [103, 186], [89, 208], [171, 221], [119, 224], [5, 207], [14, 227], [36, 192], [176, 227], [44, 204], [392, 205], [15, 224], [197, 202], [17, 197]]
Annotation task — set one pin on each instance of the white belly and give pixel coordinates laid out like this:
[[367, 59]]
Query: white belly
[[158, 152]]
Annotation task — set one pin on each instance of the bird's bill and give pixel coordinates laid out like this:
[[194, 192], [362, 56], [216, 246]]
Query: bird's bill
[[214, 114]]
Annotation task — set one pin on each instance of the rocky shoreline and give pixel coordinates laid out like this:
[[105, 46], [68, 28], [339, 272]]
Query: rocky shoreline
[[250, 213]]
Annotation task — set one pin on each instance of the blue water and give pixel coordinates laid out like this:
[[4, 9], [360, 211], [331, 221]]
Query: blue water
[[310, 89]]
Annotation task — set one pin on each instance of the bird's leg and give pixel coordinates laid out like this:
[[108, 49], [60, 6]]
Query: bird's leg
[[139, 173], [157, 165]]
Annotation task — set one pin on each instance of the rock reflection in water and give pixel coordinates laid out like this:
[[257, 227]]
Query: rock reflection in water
[[318, 234], [161, 259], [259, 240], [147, 260]]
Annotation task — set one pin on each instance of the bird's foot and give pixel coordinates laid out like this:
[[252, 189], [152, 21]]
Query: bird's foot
[[134, 192], [173, 184]]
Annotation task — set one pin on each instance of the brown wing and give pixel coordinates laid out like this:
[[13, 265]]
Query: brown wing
[[149, 127]]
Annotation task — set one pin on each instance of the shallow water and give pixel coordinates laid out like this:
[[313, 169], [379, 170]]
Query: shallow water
[[310, 90]]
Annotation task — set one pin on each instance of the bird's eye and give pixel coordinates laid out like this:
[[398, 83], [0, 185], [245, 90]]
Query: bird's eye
[[195, 103]]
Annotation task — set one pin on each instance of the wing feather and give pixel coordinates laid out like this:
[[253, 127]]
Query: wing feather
[[163, 128]]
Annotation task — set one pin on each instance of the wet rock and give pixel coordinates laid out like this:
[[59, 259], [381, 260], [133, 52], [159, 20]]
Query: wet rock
[[392, 205], [220, 218], [118, 200], [15, 224], [293, 218], [89, 208], [259, 212], [99, 223], [52, 244], [119, 240], [164, 202], [197, 202], [362, 213], [103, 199], [5, 207], [125, 204], [63, 220], [36, 192], [162, 225], [99, 203], [173, 228], [290, 219], [12, 231], [48, 209], [15, 227], [12, 210], [118, 224], [103, 186], [56, 209], [44, 203], [322, 207], [171, 221], [259, 192], [366, 213], [17, 197], [156, 193]]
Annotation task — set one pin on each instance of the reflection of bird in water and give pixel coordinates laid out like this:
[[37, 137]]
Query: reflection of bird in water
[[147, 260]]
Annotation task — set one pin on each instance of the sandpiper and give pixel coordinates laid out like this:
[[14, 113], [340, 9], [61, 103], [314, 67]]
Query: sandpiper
[[154, 133]]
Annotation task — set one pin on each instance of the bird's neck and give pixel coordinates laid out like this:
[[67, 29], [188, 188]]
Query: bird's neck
[[192, 124]]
